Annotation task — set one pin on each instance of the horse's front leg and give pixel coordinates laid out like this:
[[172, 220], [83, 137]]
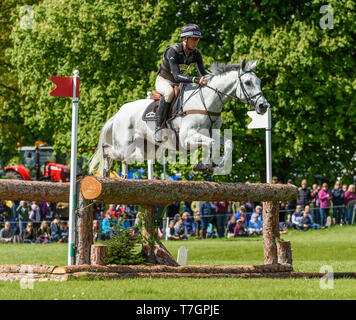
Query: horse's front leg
[[224, 165], [193, 141]]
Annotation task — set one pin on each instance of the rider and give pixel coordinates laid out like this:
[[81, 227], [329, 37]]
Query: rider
[[176, 60]]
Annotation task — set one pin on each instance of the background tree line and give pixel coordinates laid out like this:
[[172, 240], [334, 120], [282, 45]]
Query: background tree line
[[307, 74]]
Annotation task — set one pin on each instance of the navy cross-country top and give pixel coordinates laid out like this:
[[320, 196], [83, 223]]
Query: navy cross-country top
[[175, 62]]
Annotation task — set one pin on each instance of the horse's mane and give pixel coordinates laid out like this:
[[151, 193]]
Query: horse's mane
[[220, 68]]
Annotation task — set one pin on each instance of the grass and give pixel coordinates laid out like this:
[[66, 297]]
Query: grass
[[335, 247]]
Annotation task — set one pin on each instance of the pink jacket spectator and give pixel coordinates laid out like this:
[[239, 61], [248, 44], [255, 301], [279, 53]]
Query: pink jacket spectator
[[113, 213], [348, 197], [323, 198]]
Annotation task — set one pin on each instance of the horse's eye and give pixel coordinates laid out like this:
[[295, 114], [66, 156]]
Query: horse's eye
[[248, 83]]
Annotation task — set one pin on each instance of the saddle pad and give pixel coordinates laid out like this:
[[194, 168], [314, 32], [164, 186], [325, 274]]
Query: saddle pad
[[150, 112]]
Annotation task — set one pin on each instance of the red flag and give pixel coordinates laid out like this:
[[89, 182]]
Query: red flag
[[64, 87]]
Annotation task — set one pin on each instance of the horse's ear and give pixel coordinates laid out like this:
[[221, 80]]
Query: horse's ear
[[252, 64], [243, 64]]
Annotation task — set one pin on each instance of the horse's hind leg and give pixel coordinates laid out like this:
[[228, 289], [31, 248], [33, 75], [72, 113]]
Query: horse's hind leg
[[124, 170], [107, 154]]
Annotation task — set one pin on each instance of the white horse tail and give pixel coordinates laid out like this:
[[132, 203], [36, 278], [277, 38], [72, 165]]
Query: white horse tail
[[97, 160]]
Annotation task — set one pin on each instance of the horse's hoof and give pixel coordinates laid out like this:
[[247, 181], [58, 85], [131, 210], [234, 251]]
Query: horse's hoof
[[202, 167]]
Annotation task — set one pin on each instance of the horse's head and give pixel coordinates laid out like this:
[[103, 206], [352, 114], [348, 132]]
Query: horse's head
[[249, 88]]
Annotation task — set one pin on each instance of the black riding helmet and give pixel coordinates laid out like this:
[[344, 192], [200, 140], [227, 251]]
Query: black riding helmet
[[190, 30]]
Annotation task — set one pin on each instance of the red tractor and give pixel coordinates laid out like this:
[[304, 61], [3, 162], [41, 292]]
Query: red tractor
[[38, 163]]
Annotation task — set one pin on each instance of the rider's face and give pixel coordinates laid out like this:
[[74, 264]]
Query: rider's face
[[192, 43]]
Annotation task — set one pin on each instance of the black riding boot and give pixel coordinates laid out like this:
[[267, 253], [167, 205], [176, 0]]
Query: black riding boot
[[160, 116]]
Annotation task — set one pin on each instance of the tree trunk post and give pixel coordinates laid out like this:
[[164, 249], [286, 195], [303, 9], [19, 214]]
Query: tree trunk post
[[98, 254], [284, 252], [270, 231], [84, 229], [154, 250]]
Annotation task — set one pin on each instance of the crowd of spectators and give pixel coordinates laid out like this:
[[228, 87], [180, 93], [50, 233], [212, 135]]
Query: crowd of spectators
[[315, 208], [31, 223]]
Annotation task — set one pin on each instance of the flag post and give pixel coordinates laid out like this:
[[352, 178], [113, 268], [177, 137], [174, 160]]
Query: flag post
[[73, 172]]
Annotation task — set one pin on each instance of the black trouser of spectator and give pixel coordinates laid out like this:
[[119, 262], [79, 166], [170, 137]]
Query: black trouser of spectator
[[341, 215], [220, 224], [324, 213]]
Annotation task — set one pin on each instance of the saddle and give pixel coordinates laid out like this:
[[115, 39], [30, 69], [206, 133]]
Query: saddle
[[150, 112]]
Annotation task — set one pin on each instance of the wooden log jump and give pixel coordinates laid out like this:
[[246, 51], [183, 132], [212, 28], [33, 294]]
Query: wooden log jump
[[162, 192], [34, 190], [151, 193]]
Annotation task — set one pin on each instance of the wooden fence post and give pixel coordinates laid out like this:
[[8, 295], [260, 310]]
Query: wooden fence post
[[270, 231], [98, 254], [84, 228]]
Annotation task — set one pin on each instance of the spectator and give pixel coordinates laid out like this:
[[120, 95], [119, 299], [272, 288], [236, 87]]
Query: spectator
[[213, 220], [238, 213], [197, 222], [188, 223], [96, 231], [316, 202], [187, 207], [171, 234], [337, 195], [124, 222], [173, 209], [241, 228], [349, 196], [6, 233], [291, 204], [275, 180], [131, 212], [14, 210], [297, 217], [310, 214], [176, 217], [324, 198], [181, 230], [98, 212], [112, 212], [210, 233], [107, 226], [231, 227], [64, 226], [305, 222], [17, 237], [55, 230], [43, 233], [259, 212], [34, 215], [221, 215], [304, 197], [255, 226], [23, 211], [29, 235], [204, 209], [49, 211]]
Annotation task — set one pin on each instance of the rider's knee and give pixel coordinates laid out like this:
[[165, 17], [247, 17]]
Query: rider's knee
[[168, 94]]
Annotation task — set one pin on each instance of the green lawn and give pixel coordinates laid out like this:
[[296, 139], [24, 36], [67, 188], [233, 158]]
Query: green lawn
[[335, 247]]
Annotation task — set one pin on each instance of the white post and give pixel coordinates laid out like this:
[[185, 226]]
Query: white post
[[269, 147], [150, 169], [73, 172], [259, 122]]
